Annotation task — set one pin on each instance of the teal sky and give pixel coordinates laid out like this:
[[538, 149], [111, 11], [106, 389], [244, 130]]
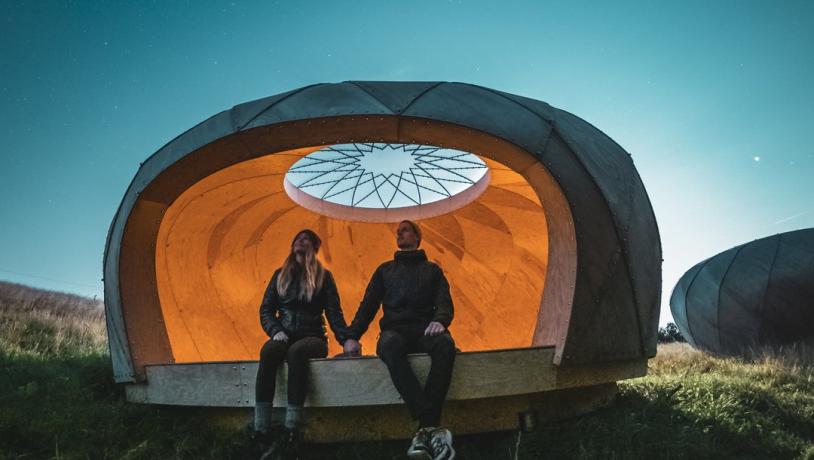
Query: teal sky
[[714, 101]]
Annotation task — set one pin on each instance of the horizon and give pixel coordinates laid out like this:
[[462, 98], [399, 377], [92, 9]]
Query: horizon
[[712, 102]]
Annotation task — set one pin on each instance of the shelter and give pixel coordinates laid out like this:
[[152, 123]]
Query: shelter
[[549, 242], [752, 295]]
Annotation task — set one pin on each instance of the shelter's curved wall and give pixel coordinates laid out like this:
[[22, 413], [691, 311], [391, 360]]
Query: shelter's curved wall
[[599, 304], [758, 293], [221, 240]]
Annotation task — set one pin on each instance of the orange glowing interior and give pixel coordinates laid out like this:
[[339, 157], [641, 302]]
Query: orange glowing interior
[[221, 240]]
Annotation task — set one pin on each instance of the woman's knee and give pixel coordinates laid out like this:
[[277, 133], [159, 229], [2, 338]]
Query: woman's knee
[[307, 348], [273, 351], [444, 344]]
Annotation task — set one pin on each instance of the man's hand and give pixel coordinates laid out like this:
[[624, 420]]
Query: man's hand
[[434, 328], [280, 337], [352, 347]]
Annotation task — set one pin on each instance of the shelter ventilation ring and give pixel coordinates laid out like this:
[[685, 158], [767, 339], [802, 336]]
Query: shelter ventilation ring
[[385, 182]]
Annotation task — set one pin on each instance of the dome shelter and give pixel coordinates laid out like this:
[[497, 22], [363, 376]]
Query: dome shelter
[[539, 220], [756, 294]]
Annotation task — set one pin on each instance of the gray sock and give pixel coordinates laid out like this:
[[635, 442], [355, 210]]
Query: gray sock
[[262, 416], [278, 416], [293, 417]]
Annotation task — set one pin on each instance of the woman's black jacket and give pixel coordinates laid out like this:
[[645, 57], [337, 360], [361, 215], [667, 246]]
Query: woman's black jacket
[[299, 318]]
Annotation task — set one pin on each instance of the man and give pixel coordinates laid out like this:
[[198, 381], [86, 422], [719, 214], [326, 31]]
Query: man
[[417, 312]]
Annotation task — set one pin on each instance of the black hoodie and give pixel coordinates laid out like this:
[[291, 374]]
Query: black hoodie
[[412, 290]]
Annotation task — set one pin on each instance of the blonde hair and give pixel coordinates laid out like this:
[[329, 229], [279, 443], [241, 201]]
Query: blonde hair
[[311, 275]]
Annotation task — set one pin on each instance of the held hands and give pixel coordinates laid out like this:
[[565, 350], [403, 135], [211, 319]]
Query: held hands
[[434, 328], [280, 337], [352, 347]]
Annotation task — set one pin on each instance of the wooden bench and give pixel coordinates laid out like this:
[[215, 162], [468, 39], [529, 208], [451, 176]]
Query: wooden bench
[[488, 391]]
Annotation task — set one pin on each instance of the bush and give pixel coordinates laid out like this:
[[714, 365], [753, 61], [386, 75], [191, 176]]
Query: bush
[[670, 334]]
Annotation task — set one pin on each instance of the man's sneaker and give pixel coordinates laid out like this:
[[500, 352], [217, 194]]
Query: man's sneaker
[[441, 441], [421, 447]]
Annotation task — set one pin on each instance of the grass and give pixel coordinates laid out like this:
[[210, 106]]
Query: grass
[[57, 400]]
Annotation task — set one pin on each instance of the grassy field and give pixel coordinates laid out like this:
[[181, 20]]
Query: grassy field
[[57, 400]]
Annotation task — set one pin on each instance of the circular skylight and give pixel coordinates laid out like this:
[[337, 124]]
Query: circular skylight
[[386, 176]]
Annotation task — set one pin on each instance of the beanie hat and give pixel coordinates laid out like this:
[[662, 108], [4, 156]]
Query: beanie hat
[[315, 241]]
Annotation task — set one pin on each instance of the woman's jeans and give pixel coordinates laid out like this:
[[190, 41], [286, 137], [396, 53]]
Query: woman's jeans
[[296, 352]]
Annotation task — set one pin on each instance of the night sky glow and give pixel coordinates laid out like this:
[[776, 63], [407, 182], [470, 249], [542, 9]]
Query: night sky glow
[[714, 101]]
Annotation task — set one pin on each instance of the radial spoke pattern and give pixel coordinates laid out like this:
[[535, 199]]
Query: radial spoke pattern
[[385, 175]]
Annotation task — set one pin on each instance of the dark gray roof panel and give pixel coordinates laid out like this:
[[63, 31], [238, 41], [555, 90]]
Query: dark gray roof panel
[[540, 108], [619, 253], [318, 101], [790, 288], [473, 106], [705, 290], [625, 198], [678, 302], [396, 96], [741, 300], [762, 298], [739, 303], [243, 114]]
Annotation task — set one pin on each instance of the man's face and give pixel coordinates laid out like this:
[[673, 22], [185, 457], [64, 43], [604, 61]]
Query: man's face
[[406, 239], [302, 244]]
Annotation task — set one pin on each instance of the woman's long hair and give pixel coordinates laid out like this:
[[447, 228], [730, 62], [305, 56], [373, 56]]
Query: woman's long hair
[[311, 275]]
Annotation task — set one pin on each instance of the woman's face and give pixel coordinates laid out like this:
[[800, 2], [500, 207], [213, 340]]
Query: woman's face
[[302, 244]]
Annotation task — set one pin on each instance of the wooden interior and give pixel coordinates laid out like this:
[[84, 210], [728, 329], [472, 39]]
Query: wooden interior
[[221, 240], [206, 234]]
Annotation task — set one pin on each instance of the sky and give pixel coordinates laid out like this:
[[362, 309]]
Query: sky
[[713, 100]]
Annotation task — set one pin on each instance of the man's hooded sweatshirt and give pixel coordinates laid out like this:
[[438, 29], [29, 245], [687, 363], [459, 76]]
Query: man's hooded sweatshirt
[[412, 291]]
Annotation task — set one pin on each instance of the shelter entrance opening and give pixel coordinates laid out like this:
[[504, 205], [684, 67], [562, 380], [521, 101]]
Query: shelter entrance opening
[[220, 241]]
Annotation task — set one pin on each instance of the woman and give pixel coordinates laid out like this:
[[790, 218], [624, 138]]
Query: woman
[[291, 315]]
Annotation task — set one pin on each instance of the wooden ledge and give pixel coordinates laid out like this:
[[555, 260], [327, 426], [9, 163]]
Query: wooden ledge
[[351, 382]]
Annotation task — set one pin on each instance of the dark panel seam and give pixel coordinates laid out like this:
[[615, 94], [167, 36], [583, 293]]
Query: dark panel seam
[[371, 95], [799, 248], [687, 296], [766, 291], [420, 95], [548, 122], [615, 231], [295, 92], [720, 288]]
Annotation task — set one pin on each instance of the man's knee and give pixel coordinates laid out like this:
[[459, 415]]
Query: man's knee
[[391, 343]]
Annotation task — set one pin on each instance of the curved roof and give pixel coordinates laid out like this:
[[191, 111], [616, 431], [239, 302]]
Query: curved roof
[[606, 305], [758, 293]]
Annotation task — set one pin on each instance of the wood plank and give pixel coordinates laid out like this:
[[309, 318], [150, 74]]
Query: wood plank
[[366, 382], [352, 424]]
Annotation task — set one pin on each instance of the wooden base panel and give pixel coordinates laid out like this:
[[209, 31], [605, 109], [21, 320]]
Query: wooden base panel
[[391, 422]]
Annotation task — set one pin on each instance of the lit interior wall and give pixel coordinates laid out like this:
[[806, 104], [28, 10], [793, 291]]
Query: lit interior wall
[[220, 241]]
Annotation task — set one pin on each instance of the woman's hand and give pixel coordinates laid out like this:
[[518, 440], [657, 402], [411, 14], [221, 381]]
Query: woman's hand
[[280, 337], [352, 347], [434, 328]]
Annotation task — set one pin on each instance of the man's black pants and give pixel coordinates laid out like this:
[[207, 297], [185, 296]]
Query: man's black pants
[[394, 345]]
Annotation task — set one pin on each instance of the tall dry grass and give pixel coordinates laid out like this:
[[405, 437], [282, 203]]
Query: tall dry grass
[[39, 322], [58, 400], [796, 359]]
